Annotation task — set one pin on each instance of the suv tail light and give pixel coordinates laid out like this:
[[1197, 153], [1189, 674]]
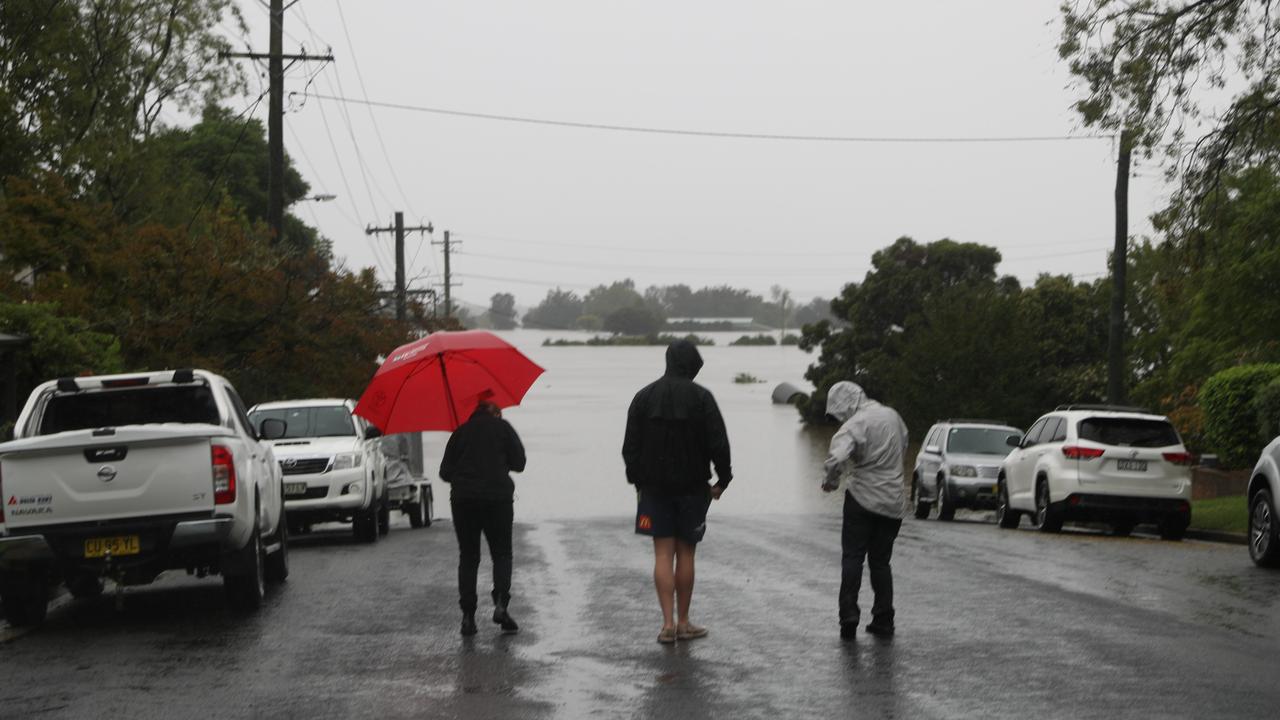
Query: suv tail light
[[224, 476], [1180, 458], [1075, 452]]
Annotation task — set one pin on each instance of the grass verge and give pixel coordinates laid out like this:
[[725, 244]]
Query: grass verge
[[1224, 514]]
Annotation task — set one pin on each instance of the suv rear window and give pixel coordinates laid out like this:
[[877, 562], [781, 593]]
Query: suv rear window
[[980, 441], [309, 422], [133, 406], [1129, 432]]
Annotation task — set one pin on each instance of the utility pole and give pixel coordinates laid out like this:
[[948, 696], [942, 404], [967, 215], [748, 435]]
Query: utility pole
[[448, 276], [1116, 364], [399, 229], [275, 121]]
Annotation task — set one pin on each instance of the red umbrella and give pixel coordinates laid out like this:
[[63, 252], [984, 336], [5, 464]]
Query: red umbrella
[[435, 383]]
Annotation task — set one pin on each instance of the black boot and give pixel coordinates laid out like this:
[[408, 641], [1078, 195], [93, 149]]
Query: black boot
[[503, 618], [468, 624]]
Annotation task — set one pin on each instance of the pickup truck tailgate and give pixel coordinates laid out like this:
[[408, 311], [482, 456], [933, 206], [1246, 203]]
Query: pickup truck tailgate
[[86, 476]]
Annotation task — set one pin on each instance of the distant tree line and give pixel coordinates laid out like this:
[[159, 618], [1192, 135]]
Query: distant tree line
[[620, 308]]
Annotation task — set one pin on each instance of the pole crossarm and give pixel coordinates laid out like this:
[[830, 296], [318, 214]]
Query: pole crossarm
[[268, 56]]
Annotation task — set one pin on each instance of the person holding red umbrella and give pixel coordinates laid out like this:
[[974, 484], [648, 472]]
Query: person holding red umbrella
[[478, 460]]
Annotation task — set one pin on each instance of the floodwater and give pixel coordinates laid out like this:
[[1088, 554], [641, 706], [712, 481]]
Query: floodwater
[[573, 419]]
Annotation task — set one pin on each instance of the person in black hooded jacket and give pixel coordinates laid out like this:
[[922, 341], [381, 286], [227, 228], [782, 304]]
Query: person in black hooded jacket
[[674, 436], [477, 461]]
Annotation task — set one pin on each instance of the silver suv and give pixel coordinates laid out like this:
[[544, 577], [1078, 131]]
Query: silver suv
[[1098, 463], [958, 464]]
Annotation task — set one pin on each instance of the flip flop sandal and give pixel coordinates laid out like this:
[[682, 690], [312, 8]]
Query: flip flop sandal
[[667, 636], [690, 632]]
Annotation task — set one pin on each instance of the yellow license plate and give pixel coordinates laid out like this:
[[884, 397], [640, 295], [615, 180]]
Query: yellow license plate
[[995, 489], [121, 545]]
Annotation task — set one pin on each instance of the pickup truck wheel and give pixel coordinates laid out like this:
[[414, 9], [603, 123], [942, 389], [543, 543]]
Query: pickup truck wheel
[[278, 562], [1122, 529], [365, 525], [384, 517], [417, 510], [248, 585], [1172, 528], [25, 602]]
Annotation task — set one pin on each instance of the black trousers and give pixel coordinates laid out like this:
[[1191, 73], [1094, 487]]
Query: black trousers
[[493, 519], [866, 534]]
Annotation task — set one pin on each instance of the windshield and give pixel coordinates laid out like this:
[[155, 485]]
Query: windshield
[[133, 406], [980, 441], [308, 422], [1129, 432]]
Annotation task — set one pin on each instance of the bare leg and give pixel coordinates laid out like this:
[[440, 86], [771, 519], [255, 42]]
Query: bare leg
[[664, 553], [684, 579]]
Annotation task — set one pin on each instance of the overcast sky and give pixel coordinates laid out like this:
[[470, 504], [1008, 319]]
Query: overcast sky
[[539, 206]]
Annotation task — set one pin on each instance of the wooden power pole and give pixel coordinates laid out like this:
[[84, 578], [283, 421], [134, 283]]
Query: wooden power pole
[[448, 276], [399, 229], [1117, 366], [275, 121]]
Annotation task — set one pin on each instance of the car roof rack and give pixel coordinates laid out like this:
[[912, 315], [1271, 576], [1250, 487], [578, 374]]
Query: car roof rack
[[976, 421], [1103, 406]]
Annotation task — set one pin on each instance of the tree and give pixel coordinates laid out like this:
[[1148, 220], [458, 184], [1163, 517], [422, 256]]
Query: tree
[[557, 311], [81, 82], [61, 345], [603, 300], [896, 300], [634, 320], [1144, 63], [502, 311]]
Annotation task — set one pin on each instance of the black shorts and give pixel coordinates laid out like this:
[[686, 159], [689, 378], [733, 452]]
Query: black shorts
[[678, 516]]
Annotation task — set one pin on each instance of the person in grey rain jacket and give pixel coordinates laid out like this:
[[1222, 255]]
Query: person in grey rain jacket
[[867, 451]]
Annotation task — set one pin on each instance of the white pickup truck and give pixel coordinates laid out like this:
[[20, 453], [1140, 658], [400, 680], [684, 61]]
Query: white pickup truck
[[126, 476], [333, 465]]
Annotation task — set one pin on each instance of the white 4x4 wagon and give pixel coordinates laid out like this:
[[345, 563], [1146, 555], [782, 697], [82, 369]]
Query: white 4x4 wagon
[[1122, 466]]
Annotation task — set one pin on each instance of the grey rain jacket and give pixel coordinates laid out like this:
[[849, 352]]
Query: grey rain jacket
[[868, 450], [675, 432]]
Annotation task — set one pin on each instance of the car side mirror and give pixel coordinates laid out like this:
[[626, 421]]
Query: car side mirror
[[1013, 441], [932, 449], [372, 432], [272, 429]]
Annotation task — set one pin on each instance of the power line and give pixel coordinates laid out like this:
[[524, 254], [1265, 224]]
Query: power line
[[711, 133], [247, 114], [365, 92]]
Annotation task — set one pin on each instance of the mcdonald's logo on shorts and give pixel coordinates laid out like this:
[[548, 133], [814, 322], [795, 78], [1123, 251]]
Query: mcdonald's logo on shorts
[[644, 522]]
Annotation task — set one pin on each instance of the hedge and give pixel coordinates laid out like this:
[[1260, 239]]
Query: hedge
[[1266, 407], [1230, 400]]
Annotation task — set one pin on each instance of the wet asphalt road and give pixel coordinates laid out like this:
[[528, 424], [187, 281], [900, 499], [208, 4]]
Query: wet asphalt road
[[990, 624]]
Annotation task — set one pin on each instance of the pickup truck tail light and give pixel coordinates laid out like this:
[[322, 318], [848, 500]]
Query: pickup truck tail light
[[1075, 452], [1180, 458], [224, 476]]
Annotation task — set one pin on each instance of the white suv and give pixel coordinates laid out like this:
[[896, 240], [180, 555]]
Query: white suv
[[1100, 463], [1264, 489], [333, 466]]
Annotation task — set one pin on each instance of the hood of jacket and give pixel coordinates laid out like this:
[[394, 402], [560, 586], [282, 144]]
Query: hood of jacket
[[844, 399], [683, 359]]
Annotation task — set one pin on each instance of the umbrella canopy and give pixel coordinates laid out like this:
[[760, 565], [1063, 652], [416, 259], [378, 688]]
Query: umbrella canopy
[[435, 383]]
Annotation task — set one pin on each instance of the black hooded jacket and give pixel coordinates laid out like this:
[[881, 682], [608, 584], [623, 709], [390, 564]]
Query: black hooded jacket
[[479, 456], [675, 432]]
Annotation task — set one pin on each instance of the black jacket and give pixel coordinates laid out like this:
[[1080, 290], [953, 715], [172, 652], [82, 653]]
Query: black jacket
[[675, 432], [479, 456]]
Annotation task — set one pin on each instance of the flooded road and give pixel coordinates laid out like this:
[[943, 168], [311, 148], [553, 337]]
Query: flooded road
[[572, 422], [991, 624]]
